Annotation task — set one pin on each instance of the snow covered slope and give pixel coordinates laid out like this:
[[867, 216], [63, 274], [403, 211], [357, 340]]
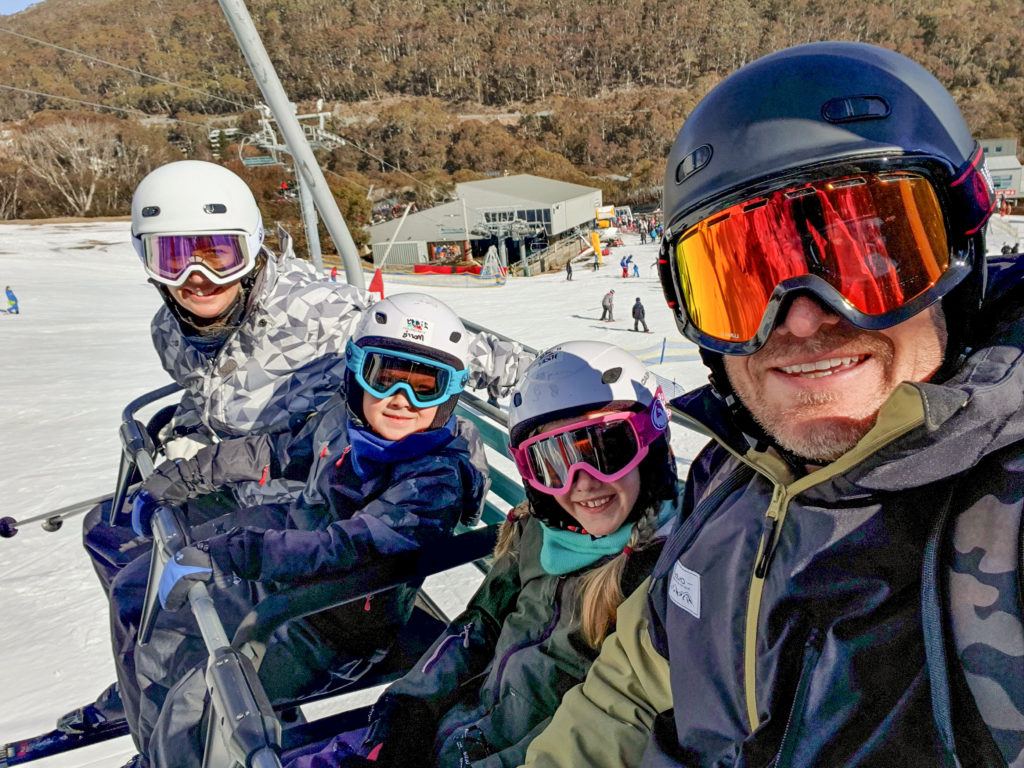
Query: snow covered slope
[[80, 351]]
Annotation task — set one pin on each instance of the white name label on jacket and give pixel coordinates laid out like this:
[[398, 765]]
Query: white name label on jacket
[[684, 589]]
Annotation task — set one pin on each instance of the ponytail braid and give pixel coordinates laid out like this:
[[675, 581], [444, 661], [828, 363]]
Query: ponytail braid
[[511, 530], [600, 588]]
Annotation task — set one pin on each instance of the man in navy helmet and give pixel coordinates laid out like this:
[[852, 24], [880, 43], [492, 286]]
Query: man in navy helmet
[[842, 588]]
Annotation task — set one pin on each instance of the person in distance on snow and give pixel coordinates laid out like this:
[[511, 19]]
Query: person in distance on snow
[[843, 588], [255, 338], [12, 301], [608, 306], [589, 435], [639, 316], [386, 467]]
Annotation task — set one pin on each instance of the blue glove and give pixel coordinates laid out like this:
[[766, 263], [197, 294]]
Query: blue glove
[[143, 507], [189, 565]]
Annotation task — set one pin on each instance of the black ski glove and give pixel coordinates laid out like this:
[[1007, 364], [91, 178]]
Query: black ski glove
[[236, 460]]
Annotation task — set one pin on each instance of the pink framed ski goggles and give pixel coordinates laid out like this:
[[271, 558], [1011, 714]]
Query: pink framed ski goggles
[[221, 257], [606, 447]]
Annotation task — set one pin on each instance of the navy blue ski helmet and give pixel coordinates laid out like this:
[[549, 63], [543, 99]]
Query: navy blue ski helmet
[[841, 170]]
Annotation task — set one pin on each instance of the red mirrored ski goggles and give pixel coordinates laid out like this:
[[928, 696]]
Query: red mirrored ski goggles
[[875, 244]]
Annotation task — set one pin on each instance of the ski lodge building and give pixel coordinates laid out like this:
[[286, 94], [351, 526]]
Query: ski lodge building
[[1002, 163], [518, 214]]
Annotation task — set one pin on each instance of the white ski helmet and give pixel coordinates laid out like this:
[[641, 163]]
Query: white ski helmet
[[573, 377], [416, 323], [193, 197], [419, 323], [579, 376]]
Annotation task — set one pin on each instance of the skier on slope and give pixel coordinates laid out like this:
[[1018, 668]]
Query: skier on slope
[[608, 306], [639, 316], [12, 301]]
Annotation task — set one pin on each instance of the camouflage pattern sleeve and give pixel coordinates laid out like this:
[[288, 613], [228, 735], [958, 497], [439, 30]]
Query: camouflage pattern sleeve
[[986, 616]]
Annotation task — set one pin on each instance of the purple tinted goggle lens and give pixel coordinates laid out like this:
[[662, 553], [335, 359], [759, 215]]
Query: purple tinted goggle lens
[[222, 258], [607, 447]]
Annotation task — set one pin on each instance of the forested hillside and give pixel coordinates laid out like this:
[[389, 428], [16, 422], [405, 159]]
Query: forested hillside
[[589, 89]]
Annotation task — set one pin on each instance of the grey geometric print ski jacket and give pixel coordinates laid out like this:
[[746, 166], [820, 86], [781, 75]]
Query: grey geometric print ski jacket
[[286, 358], [284, 361]]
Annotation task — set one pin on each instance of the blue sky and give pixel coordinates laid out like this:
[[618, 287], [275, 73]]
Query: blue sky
[[13, 6]]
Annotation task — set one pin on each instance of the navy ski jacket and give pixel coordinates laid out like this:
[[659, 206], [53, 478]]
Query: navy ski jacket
[[413, 495], [341, 518]]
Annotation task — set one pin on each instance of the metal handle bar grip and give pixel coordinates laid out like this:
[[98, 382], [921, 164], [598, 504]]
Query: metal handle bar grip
[[137, 447]]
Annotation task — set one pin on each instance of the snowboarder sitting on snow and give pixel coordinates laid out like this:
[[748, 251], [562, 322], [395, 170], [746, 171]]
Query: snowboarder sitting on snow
[[12, 301], [586, 536], [389, 470]]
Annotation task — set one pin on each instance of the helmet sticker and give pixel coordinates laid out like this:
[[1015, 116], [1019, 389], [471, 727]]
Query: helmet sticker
[[415, 329], [659, 416]]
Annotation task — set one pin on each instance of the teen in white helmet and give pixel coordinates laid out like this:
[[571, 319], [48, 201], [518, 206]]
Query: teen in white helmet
[[198, 232], [255, 340]]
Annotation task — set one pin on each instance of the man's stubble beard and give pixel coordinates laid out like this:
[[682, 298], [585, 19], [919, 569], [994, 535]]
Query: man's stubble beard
[[828, 438]]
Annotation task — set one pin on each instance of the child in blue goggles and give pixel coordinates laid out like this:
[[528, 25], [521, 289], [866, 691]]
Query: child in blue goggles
[[383, 372]]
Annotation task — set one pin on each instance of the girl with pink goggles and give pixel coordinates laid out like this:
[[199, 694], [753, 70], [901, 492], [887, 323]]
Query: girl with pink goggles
[[607, 447]]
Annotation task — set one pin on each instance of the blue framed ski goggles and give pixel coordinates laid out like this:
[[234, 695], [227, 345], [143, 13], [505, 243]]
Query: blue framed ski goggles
[[383, 372]]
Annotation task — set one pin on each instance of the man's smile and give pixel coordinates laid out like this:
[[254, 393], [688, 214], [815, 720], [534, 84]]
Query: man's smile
[[823, 367]]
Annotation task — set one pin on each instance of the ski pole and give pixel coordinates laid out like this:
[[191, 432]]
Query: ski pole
[[52, 520], [137, 452]]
